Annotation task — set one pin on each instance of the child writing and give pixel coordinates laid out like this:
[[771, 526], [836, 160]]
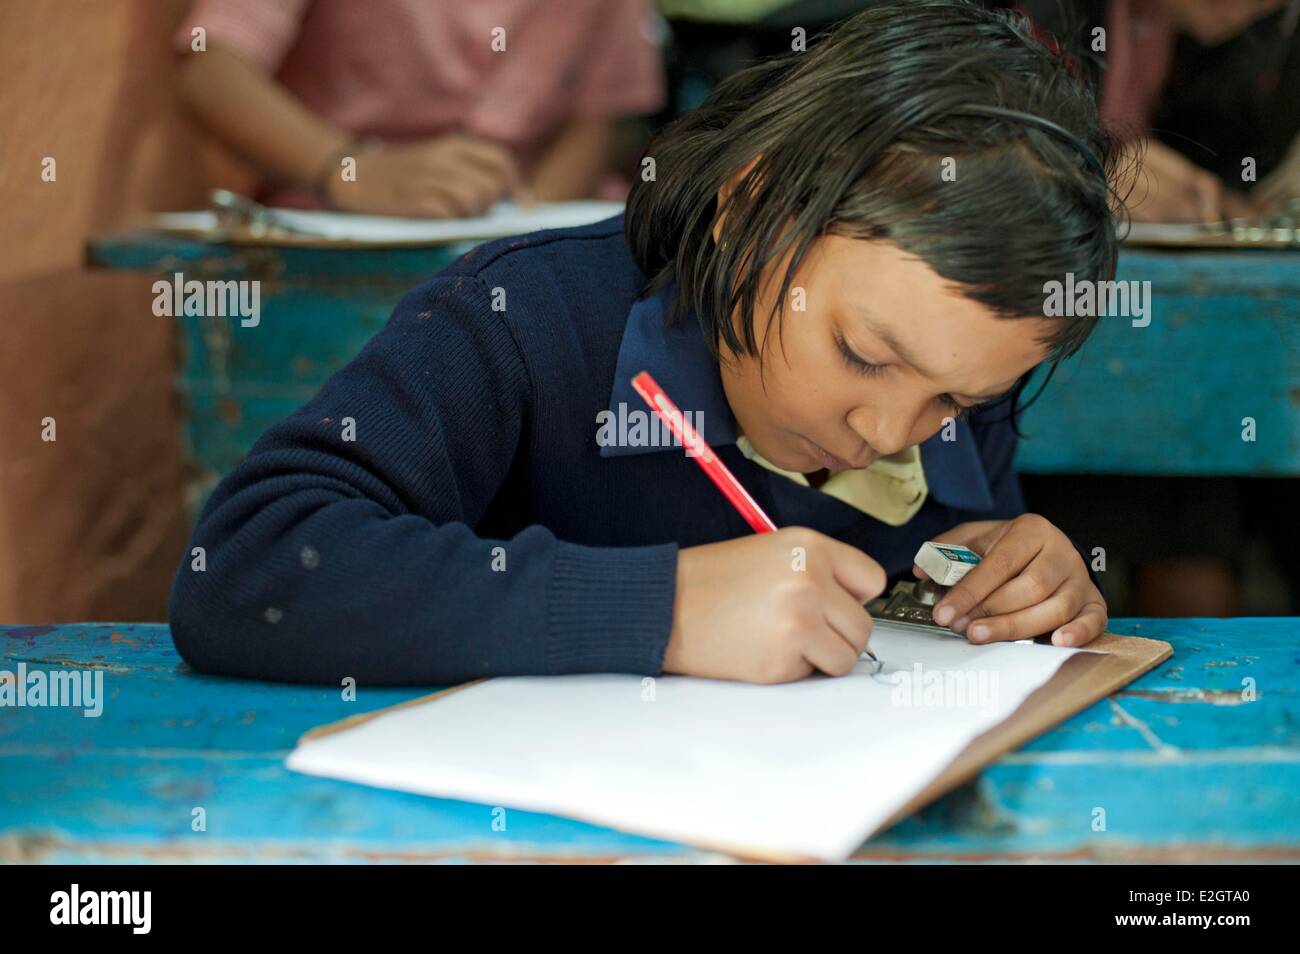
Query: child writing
[[444, 107], [837, 268], [1133, 74]]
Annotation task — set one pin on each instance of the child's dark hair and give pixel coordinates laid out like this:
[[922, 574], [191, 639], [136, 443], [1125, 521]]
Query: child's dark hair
[[851, 138]]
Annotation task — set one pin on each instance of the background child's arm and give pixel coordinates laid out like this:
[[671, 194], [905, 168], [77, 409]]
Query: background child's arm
[[256, 116], [572, 165], [443, 176], [329, 557]]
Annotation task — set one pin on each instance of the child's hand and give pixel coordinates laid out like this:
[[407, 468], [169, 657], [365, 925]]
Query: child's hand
[[1171, 188], [1283, 184], [447, 177], [771, 607], [1030, 581]]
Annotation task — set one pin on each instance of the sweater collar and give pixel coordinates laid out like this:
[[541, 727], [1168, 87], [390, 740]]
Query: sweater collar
[[681, 361]]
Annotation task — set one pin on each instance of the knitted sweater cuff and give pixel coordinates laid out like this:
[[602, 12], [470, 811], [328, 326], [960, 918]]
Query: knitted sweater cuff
[[610, 609]]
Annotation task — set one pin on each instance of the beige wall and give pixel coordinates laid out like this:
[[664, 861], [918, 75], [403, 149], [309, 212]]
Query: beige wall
[[91, 526]]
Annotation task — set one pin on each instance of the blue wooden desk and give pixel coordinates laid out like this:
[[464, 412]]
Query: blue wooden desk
[[1183, 767], [1223, 344]]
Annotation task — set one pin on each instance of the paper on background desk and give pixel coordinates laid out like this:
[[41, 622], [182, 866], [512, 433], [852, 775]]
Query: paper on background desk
[[801, 770], [503, 219], [1165, 233]]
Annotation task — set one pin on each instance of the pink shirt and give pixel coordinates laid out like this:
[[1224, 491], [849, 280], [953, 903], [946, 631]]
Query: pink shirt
[[1140, 42], [402, 70]]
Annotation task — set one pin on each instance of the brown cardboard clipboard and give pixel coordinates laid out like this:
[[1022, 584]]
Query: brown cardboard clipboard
[[363, 717], [1083, 679]]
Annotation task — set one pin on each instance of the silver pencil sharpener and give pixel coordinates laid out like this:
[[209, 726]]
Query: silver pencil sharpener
[[911, 605]]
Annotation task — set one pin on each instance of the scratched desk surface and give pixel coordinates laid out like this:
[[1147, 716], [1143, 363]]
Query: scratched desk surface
[[1183, 767]]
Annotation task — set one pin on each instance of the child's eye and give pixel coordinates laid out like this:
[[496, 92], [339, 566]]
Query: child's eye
[[863, 366], [853, 360]]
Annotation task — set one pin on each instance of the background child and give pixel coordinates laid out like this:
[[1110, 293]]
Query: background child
[[1198, 86], [1145, 70], [447, 107]]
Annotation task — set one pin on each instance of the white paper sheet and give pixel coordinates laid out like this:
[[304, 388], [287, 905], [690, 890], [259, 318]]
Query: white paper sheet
[[503, 219], [1162, 233], [806, 769]]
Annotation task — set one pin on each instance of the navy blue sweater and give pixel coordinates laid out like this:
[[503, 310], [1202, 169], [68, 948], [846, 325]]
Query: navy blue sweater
[[443, 510]]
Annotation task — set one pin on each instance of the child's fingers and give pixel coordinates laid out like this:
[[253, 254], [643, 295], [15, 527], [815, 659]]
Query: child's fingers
[[480, 186], [1004, 562], [830, 652], [432, 201], [848, 617], [1041, 618], [475, 190], [855, 571], [1208, 198], [1084, 628], [437, 200], [492, 159], [1034, 584]]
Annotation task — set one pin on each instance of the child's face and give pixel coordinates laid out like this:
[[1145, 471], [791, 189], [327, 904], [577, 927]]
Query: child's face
[[813, 408]]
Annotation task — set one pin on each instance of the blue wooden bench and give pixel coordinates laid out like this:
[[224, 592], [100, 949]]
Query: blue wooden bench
[[1184, 768]]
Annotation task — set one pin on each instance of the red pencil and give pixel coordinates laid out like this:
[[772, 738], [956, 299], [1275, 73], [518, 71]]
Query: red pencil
[[697, 447], [662, 405]]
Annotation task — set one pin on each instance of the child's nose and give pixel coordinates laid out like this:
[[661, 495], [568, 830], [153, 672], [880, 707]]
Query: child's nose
[[885, 430]]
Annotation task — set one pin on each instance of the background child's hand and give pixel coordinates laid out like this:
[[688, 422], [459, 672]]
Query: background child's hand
[[1171, 188], [1283, 183], [771, 607], [1030, 581], [447, 177]]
